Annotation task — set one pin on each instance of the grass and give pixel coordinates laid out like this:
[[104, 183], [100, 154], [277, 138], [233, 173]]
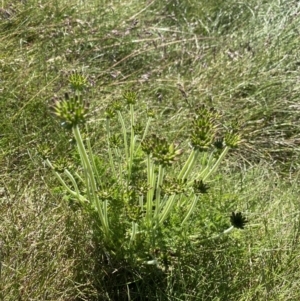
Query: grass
[[240, 57]]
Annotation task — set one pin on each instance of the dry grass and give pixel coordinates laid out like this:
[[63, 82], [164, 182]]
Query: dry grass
[[241, 58]]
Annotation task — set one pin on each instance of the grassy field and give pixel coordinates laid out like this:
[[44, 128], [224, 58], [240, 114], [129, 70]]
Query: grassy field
[[239, 57]]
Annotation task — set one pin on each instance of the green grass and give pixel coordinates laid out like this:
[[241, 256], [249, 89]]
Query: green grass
[[240, 57]]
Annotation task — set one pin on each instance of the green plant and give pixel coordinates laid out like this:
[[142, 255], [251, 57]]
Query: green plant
[[141, 188], [239, 57]]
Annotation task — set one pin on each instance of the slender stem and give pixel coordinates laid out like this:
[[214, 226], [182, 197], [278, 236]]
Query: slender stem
[[105, 217], [69, 175], [186, 169], [73, 193], [95, 170], [214, 237], [132, 141], [79, 177], [111, 162], [167, 208], [147, 128], [84, 158], [191, 209], [191, 165], [124, 134], [84, 161], [133, 232], [158, 190], [150, 192], [218, 162], [141, 201], [90, 181], [207, 166], [145, 133], [201, 174]]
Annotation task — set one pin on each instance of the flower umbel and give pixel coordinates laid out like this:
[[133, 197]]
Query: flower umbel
[[219, 143], [77, 81], [200, 187], [232, 139], [130, 97], [71, 111], [162, 152], [203, 128], [112, 109], [174, 186], [238, 220]]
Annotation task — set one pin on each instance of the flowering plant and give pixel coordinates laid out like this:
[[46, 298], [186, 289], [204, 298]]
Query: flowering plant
[[138, 189]]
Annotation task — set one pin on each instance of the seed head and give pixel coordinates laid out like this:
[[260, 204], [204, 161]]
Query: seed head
[[200, 187], [162, 152], [204, 128], [112, 108], [232, 139], [77, 81], [71, 111], [174, 186], [238, 220], [130, 97]]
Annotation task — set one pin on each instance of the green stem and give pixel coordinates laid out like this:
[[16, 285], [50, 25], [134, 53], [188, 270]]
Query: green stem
[[69, 175], [133, 232], [158, 190], [213, 237], [90, 181], [132, 141], [124, 135], [81, 198], [95, 170], [207, 166], [111, 162], [85, 160], [145, 133], [218, 162], [186, 169], [87, 169], [167, 208], [150, 192], [146, 128], [191, 209]]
